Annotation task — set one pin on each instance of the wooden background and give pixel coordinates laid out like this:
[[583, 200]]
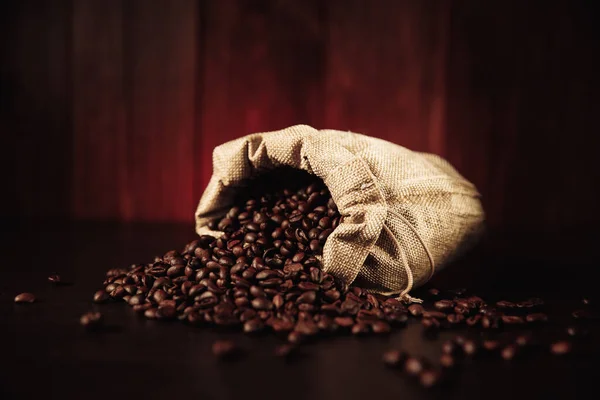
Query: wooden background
[[109, 109]]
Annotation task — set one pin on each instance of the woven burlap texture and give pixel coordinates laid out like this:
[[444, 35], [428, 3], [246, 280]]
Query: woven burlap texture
[[404, 214]]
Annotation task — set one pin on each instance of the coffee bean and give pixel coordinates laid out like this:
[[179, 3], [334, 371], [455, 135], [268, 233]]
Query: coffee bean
[[509, 352], [295, 337], [505, 304], [560, 348], [473, 320], [490, 345], [470, 348], [344, 322], [416, 310], [91, 320], [455, 318], [360, 329], [523, 340], [24, 298], [262, 303], [429, 378], [434, 314], [447, 361], [444, 304], [285, 350], [536, 318], [308, 297], [150, 313], [101, 296], [54, 278], [512, 319], [253, 326], [413, 366], [166, 312], [433, 292], [224, 349], [394, 358]]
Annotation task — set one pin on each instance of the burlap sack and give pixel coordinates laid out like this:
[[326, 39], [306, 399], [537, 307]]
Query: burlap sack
[[405, 214]]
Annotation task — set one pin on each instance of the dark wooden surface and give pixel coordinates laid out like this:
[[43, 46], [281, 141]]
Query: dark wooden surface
[[110, 109], [46, 354]]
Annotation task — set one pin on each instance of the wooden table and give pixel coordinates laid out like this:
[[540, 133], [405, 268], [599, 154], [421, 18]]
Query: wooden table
[[46, 353]]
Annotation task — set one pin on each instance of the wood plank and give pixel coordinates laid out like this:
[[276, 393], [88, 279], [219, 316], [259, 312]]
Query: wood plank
[[385, 70], [100, 180], [263, 70], [161, 45]]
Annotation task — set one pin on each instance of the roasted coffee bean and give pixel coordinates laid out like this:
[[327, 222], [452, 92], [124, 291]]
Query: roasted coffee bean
[[166, 312], [509, 352], [523, 340], [380, 327], [430, 323], [512, 319], [295, 337], [253, 326], [433, 292], [91, 320], [536, 318], [307, 297], [447, 361], [444, 304], [560, 348], [285, 350], [455, 318], [344, 322], [470, 348], [262, 303], [490, 345], [101, 296], [150, 313], [413, 366], [505, 304], [54, 278], [416, 310], [434, 314], [25, 298], [224, 349], [429, 378], [394, 358], [473, 320], [450, 347]]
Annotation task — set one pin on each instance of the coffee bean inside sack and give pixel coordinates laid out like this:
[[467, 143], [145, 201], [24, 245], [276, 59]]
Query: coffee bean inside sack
[[261, 273]]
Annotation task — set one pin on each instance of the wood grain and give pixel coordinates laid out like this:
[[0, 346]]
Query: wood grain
[[111, 109]]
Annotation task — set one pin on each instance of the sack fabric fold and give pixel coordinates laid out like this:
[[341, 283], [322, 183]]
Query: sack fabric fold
[[404, 214]]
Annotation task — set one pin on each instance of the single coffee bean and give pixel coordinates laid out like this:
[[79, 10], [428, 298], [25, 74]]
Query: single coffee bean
[[509, 352], [523, 340], [536, 318], [224, 349], [262, 303], [512, 319], [447, 361], [101, 296], [413, 366], [308, 297], [416, 310], [429, 378], [473, 320], [91, 320], [380, 327], [360, 329], [24, 298], [470, 348], [490, 345], [433, 292], [150, 313], [430, 323], [253, 326], [285, 350], [394, 358], [344, 322], [54, 278], [560, 348], [455, 318], [505, 304], [434, 314], [444, 304]]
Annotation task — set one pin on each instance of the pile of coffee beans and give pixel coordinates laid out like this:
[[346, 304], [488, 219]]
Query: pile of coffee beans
[[263, 274]]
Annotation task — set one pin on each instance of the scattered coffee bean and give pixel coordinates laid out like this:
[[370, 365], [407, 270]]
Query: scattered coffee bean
[[447, 361], [55, 279], [470, 348], [512, 319], [416, 310], [413, 366], [91, 320], [536, 318], [394, 358], [490, 345], [224, 349], [577, 331], [560, 348], [444, 304], [429, 378], [509, 352], [24, 298]]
